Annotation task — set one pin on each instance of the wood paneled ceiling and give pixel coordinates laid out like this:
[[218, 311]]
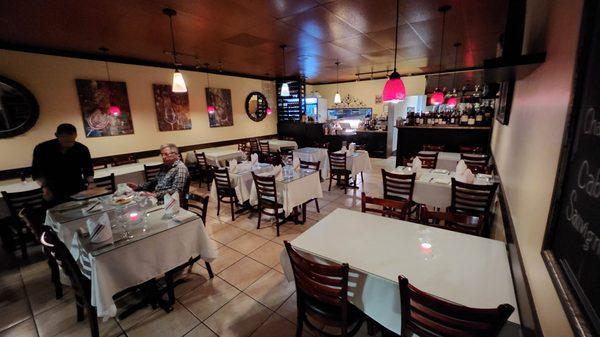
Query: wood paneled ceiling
[[244, 35]]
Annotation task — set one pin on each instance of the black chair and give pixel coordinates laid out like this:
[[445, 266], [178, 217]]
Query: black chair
[[470, 149], [17, 231], [436, 148], [322, 145], [254, 147], [264, 147], [150, 171], [204, 171], [458, 222], [322, 296], [107, 182], [472, 199], [338, 170], [476, 163], [80, 284], [428, 160], [427, 315], [225, 193], [399, 187], [397, 209], [199, 205], [266, 191], [311, 166]]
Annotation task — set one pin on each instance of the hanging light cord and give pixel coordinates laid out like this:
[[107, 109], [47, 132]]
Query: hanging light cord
[[173, 40], [283, 55], [107, 72], [338, 76], [456, 45], [442, 46], [396, 40], [207, 77]]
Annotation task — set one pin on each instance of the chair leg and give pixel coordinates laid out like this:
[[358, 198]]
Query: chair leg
[[232, 210], [218, 205], [259, 216], [79, 305], [330, 179], [55, 277], [23, 243], [299, 324], [304, 212], [346, 183], [210, 272], [317, 204], [93, 321], [362, 178], [170, 288]]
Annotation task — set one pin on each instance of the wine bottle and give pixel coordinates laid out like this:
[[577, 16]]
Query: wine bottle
[[471, 117]]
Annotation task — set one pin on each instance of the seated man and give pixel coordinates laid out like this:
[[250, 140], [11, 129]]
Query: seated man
[[173, 176]]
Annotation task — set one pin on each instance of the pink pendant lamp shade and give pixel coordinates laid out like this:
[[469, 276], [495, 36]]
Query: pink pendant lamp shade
[[452, 102], [394, 90], [269, 111], [114, 111], [437, 98], [210, 109]]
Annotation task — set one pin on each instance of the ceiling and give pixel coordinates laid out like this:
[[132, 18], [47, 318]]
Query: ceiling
[[243, 36]]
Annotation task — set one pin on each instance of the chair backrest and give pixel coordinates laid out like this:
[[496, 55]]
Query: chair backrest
[[471, 198], [108, 182], [264, 146], [322, 145], [324, 283], [310, 165], [254, 147], [197, 204], [430, 147], [337, 161], [183, 201], [397, 209], [33, 220], [476, 163], [266, 188], [150, 171], [221, 176], [398, 186], [100, 165], [458, 222], [360, 147], [286, 154], [470, 149], [201, 160], [431, 316], [60, 252], [428, 160], [123, 160], [29, 199]]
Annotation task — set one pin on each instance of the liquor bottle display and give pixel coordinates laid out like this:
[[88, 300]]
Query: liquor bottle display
[[470, 114]]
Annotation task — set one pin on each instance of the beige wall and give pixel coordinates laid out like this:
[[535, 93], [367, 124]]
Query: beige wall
[[527, 153], [51, 79], [366, 90]]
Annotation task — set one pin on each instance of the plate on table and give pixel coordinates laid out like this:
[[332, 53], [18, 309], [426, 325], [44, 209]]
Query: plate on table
[[121, 200], [91, 193], [440, 171], [69, 205]]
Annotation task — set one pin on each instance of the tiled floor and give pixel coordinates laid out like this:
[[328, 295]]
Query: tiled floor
[[249, 295]]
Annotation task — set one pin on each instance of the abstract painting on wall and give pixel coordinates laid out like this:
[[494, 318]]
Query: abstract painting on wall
[[172, 108], [104, 107], [220, 99]]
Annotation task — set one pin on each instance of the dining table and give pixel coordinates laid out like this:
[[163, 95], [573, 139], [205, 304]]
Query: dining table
[[461, 268], [357, 161], [449, 160], [145, 243], [313, 155], [240, 178], [277, 144]]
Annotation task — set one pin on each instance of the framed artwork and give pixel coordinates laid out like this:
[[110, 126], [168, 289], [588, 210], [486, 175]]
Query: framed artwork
[[221, 100], [95, 98], [505, 101], [172, 108]]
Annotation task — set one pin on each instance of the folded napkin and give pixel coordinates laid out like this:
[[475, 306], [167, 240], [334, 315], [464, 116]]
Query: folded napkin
[[171, 204], [99, 230], [461, 167], [344, 149], [93, 206], [123, 189], [296, 163], [416, 164], [352, 147], [233, 163], [277, 172], [467, 177], [243, 167], [254, 158]]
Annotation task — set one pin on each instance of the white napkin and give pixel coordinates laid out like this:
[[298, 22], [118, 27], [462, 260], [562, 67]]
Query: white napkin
[[467, 177], [296, 163], [243, 167], [123, 189], [278, 172], [352, 147], [254, 158], [171, 204], [461, 167], [344, 149], [100, 230], [233, 163], [93, 207], [416, 164]]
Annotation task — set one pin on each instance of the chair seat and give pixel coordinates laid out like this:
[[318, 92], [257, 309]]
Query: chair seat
[[226, 192], [332, 313], [340, 171], [270, 203]]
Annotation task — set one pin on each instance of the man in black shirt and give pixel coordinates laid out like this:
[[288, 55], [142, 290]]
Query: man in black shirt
[[62, 166]]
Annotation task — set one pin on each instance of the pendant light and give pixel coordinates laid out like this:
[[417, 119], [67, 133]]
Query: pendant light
[[437, 97], [394, 90], [178, 81], [285, 89], [209, 108], [337, 99], [113, 109], [453, 99], [269, 111]]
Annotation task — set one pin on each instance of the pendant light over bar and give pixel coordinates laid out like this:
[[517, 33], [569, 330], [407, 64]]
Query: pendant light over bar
[[178, 81], [209, 108], [453, 99], [113, 109], [394, 90], [437, 97], [337, 99], [285, 89]]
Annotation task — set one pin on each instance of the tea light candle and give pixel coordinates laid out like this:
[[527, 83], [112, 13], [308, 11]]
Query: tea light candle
[[426, 248], [133, 216]]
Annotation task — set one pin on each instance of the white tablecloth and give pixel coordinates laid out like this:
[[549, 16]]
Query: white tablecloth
[[242, 182], [219, 157], [448, 160], [358, 162], [165, 245], [315, 154], [295, 192], [276, 144], [462, 268]]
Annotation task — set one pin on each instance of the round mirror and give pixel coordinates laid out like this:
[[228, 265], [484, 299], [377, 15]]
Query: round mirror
[[18, 108], [256, 106]]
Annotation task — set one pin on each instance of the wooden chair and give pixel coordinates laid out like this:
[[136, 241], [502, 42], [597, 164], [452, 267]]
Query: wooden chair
[[225, 193], [338, 170], [458, 222], [254, 147], [476, 163], [19, 233], [322, 296], [322, 145], [437, 148], [427, 315], [245, 149], [34, 220], [80, 284], [123, 160], [311, 166], [107, 182], [400, 187], [428, 160], [264, 147], [397, 209], [472, 199], [360, 147], [204, 171], [266, 191], [150, 171], [470, 149]]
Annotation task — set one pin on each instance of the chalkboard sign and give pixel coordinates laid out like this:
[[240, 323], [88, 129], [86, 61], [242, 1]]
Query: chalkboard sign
[[572, 243]]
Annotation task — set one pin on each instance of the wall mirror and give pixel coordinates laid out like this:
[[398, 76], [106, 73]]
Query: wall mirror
[[19, 109], [256, 106]]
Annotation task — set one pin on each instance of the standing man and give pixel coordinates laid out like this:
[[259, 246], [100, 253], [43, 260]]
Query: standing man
[[62, 166]]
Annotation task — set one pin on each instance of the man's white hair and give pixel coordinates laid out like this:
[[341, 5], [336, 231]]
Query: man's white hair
[[173, 147]]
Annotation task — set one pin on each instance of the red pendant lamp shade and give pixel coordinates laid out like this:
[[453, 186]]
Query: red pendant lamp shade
[[452, 102], [394, 90], [210, 109], [114, 110], [269, 111], [437, 98]]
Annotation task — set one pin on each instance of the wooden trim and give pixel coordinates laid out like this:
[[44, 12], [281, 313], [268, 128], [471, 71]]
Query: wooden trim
[[26, 171]]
